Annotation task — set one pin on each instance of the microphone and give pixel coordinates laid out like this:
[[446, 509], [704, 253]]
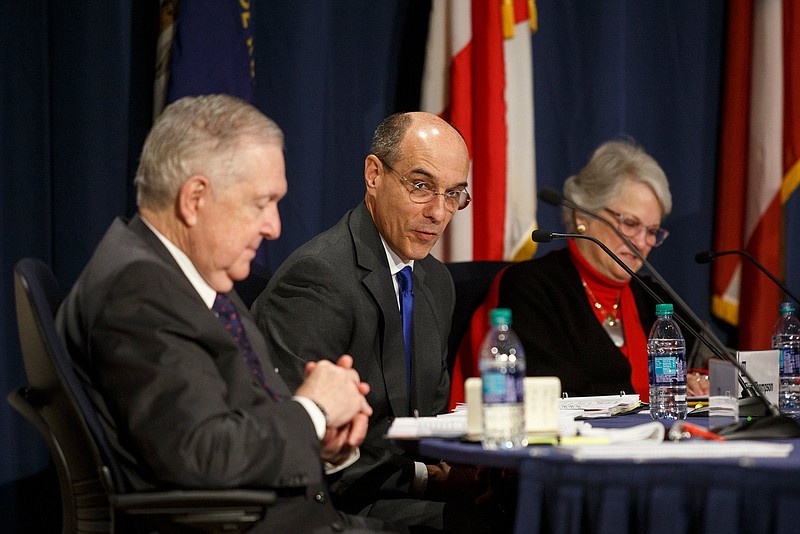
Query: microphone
[[545, 236], [708, 338], [775, 425], [709, 256]]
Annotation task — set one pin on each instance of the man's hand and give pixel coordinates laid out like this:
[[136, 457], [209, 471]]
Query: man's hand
[[339, 444], [455, 483], [337, 389]]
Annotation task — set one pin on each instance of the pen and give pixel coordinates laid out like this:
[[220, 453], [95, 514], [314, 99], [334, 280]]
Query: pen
[[679, 428]]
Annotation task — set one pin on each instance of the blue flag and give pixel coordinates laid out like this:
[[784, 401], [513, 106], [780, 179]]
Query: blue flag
[[212, 51]]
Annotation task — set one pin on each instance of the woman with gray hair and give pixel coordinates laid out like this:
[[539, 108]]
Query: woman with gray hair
[[575, 309]]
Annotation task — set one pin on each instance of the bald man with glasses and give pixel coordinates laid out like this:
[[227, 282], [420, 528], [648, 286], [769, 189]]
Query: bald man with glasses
[[368, 287]]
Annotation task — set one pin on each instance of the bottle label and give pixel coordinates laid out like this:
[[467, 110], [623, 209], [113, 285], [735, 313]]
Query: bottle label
[[500, 388], [666, 370], [790, 361]]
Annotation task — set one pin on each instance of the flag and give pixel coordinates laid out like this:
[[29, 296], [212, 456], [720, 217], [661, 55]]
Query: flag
[[759, 165], [478, 75], [205, 47]]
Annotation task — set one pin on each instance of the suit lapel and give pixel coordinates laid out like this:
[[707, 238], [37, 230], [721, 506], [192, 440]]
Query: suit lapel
[[371, 259], [257, 341]]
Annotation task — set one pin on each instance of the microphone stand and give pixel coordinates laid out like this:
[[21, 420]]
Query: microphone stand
[[773, 426], [750, 403], [555, 198], [707, 257]]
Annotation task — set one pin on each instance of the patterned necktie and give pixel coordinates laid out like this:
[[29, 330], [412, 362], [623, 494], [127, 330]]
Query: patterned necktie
[[405, 285], [226, 312]]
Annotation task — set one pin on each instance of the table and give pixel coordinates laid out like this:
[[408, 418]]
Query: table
[[557, 494]]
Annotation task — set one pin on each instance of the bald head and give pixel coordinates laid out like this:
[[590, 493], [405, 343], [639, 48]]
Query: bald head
[[413, 154], [387, 141]]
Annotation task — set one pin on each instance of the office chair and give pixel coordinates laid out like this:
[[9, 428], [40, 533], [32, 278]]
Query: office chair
[[472, 280], [95, 495]]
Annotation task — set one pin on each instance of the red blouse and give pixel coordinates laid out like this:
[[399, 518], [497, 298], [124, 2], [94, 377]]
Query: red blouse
[[608, 292]]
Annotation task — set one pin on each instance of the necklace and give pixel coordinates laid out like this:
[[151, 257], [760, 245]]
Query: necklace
[[611, 324]]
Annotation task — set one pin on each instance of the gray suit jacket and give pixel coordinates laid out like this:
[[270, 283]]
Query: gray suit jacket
[[173, 389], [333, 296]]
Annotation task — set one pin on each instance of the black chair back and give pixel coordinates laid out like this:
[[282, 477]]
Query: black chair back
[[56, 395], [94, 491], [472, 280]]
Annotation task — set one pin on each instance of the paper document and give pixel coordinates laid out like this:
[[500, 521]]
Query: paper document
[[602, 405], [452, 425], [697, 450]]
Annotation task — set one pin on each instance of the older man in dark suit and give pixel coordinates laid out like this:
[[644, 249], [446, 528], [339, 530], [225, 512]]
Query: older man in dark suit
[[346, 291], [170, 355]]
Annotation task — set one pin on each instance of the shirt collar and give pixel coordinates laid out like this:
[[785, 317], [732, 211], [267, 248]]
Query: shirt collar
[[206, 292], [395, 263]]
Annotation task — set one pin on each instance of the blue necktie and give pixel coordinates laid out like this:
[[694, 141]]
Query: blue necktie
[[405, 285], [226, 312]]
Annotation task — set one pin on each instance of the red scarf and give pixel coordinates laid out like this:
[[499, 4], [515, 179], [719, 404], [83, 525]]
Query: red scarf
[[607, 292]]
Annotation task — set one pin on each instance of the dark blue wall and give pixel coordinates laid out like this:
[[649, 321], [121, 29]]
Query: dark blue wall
[[76, 98]]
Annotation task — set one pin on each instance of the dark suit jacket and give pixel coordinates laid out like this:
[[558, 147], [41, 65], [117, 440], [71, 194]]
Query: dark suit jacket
[[174, 391], [559, 330], [334, 296]]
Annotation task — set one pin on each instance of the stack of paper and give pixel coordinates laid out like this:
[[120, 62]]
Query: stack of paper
[[602, 406]]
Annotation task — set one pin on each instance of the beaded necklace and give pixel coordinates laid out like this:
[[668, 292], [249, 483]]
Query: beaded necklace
[[611, 324]]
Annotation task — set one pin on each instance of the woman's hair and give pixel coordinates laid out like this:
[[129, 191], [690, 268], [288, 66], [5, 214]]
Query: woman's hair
[[600, 182], [197, 135]]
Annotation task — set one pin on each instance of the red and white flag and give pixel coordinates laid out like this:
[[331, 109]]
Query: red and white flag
[[479, 76], [759, 162]]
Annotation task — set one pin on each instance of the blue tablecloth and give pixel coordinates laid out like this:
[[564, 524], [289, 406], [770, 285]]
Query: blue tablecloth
[[557, 494]]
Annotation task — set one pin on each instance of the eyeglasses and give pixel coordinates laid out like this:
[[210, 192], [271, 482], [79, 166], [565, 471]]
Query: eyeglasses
[[422, 192], [631, 227]]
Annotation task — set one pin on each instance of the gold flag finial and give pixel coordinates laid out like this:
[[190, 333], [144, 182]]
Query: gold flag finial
[[508, 18], [533, 16]]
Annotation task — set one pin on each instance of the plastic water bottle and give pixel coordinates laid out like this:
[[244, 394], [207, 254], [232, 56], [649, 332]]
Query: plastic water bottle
[[666, 360], [502, 365], [786, 338]]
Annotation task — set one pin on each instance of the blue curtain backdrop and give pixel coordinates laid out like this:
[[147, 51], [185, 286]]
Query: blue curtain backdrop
[[76, 84]]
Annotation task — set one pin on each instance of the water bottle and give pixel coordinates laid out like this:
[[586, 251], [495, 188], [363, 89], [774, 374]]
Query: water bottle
[[502, 366], [786, 338], [666, 361]]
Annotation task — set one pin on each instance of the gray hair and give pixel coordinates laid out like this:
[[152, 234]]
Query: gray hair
[[388, 137], [600, 182], [197, 135]]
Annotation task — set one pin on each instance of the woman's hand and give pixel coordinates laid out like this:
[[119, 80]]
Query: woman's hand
[[697, 384]]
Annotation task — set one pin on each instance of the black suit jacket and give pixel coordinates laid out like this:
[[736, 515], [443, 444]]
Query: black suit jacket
[[333, 296], [174, 391]]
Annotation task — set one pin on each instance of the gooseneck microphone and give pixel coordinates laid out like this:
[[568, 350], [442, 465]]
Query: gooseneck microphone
[[545, 236], [708, 338], [775, 425], [709, 256]]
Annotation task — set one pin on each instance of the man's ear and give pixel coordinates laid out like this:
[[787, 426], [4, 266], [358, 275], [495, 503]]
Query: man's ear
[[372, 169], [192, 197]]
